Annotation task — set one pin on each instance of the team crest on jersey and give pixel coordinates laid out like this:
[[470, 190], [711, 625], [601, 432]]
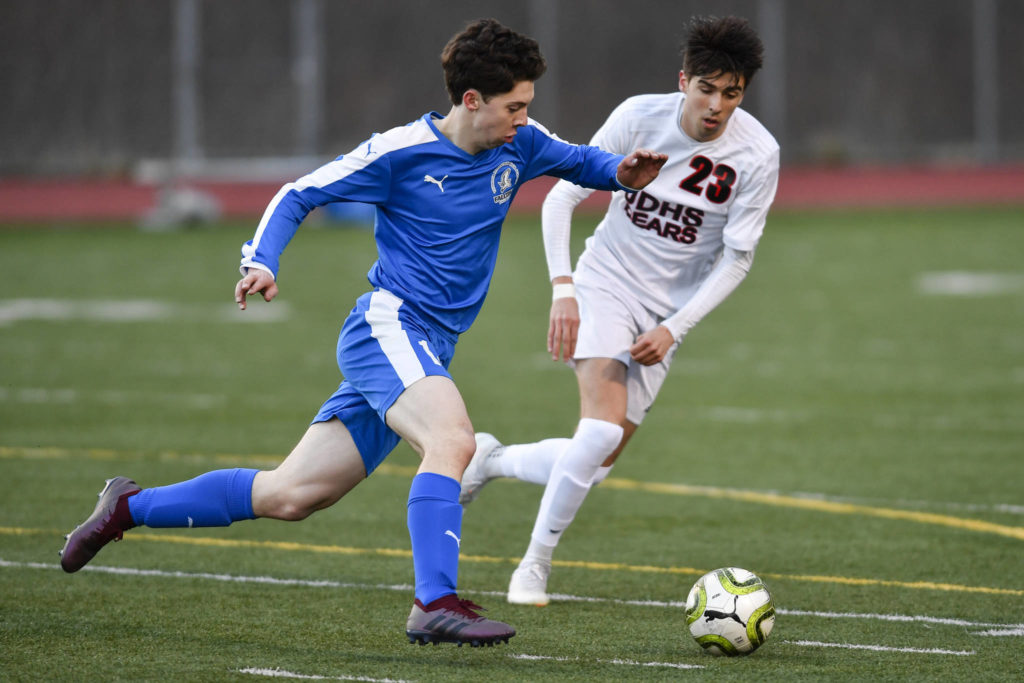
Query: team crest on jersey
[[503, 181]]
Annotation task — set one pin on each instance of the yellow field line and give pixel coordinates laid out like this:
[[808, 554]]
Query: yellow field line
[[57, 453], [775, 499], [781, 500], [290, 546]]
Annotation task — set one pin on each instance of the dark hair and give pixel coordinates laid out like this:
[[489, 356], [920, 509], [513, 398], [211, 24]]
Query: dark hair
[[722, 46], [491, 58]]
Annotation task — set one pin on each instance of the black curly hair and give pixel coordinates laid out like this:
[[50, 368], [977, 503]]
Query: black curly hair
[[491, 58], [716, 46]]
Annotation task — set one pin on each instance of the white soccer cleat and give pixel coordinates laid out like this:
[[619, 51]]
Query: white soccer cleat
[[475, 476], [529, 585]]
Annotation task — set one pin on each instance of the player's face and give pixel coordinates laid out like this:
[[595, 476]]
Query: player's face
[[710, 101], [496, 121]]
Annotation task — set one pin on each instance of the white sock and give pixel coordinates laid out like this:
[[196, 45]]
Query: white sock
[[571, 478], [530, 462], [537, 553], [600, 475]]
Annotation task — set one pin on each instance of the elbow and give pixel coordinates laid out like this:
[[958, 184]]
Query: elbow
[[743, 259]]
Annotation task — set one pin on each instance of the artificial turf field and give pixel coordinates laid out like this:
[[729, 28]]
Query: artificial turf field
[[849, 425]]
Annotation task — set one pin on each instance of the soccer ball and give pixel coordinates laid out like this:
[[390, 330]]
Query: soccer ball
[[730, 612]]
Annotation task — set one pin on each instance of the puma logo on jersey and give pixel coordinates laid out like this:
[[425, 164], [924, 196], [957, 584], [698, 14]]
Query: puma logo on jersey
[[431, 179]]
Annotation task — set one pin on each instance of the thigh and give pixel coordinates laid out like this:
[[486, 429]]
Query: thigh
[[609, 324], [384, 349], [374, 439], [323, 467], [602, 384], [432, 417]]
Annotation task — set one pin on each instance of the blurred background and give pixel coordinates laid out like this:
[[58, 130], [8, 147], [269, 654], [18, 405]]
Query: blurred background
[[146, 95]]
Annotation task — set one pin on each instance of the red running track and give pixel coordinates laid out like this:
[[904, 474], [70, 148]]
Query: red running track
[[33, 200]]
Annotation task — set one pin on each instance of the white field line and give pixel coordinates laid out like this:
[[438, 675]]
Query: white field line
[[278, 673], [227, 578], [994, 629], [969, 283], [134, 310], [938, 621], [625, 662], [1001, 632], [881, 648]]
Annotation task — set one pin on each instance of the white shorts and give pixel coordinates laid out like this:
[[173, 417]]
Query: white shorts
[[609, 324]]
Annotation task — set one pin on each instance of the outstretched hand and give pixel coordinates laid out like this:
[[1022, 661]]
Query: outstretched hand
[[640, 168], [256, 281]]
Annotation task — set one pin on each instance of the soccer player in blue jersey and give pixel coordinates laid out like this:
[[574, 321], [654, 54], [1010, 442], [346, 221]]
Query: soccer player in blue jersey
[[442, 186]]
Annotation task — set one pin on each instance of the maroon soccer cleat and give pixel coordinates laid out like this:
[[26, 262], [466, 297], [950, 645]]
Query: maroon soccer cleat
[[451, 620], [107, 523]]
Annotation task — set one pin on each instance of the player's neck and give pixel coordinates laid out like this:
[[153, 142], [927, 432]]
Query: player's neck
[[458, 129]]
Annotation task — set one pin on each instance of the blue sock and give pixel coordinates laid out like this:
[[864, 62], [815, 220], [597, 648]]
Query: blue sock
[[435, 527], [216, 498]]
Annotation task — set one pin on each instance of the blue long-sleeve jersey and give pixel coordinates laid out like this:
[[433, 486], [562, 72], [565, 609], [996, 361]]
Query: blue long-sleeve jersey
[[439, 210]]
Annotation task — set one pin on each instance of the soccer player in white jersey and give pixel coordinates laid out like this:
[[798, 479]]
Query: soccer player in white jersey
[[659, 261], [442, 187]]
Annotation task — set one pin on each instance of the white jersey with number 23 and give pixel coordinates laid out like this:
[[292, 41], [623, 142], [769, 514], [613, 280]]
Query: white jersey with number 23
[[657, 245]]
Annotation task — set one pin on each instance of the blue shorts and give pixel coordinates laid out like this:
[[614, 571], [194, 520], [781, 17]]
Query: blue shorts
[[383, 348]]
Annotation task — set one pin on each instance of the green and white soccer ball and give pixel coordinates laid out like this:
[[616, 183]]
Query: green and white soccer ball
[[730, 612]]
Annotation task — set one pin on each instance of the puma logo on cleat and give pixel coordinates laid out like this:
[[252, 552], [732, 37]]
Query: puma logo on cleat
[[431, 179], [458, 542]]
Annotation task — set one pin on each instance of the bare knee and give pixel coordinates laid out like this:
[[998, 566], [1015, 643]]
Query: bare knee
[[457, 446], [292, 511], [286, 508], [273, 497], [463, 447], [450, 452]]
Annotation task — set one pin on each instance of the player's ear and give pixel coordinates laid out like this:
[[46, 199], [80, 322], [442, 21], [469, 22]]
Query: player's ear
[[471, 99], [682, 81]]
